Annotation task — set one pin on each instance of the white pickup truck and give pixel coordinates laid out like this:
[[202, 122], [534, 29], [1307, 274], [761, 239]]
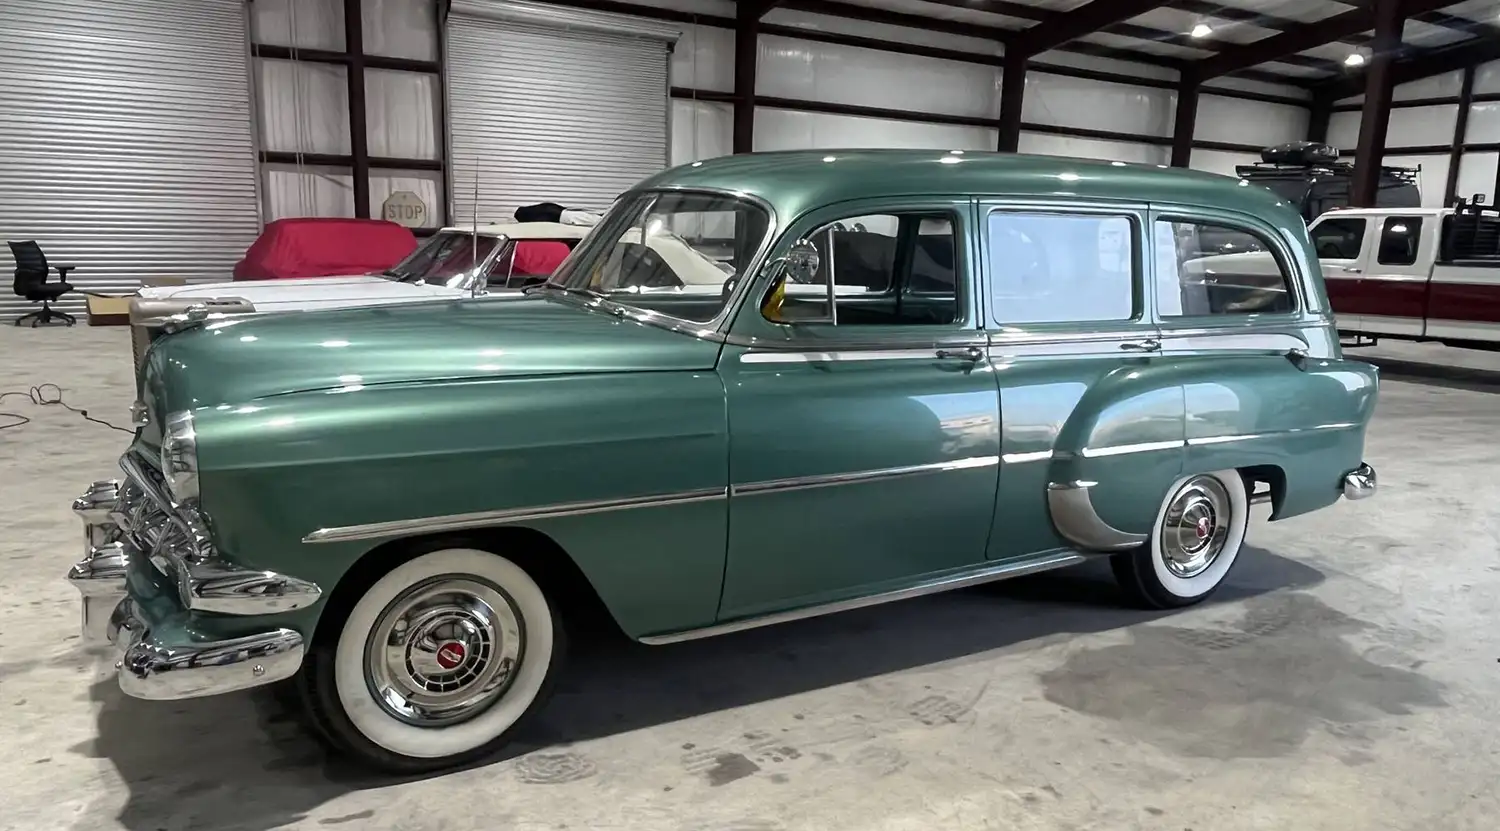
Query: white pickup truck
[[1415, 273]]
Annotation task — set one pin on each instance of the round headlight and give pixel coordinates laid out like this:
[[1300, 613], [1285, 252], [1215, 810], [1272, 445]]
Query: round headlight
[[179, 456]]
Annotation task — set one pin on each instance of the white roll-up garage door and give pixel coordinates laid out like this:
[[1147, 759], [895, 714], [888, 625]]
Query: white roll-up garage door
[[125, 140], [550, 104]]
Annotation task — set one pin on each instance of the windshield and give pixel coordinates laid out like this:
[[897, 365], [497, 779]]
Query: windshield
[[673, 253], [446, 258]]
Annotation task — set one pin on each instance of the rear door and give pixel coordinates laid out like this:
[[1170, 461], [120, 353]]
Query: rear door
[[1393, 289], [1341, 243]]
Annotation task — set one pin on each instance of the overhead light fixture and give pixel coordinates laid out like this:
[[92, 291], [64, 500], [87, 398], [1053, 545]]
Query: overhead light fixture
[[1355, 58], [1202, 30]]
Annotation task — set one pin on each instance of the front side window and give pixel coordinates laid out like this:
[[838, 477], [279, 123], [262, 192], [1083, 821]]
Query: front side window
[[886, 269], [446, 258], [1194, 278], [1060, 268], [675, 253], [1338, 239], [1398, 240]]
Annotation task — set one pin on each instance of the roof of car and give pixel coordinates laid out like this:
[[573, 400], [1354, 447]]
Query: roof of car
[[795, 181], [527, 230], [1332, 212]]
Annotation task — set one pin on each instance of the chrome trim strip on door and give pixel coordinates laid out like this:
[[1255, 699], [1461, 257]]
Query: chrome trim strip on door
[[1122, 449], [796, 483], [1001, 571], [1022, 458], [482, 519], [835, 355]]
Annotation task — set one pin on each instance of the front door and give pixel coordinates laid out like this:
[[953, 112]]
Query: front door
[[1394, 286], [1342, 246], [863, 412]]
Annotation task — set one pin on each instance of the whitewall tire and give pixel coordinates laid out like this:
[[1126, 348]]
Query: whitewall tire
[[1196, 539], [436, 663]]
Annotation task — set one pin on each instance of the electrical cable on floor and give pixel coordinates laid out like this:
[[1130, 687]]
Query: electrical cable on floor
[[38, 395]]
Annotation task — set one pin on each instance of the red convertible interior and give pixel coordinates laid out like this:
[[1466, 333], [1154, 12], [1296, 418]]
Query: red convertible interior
[[324, 247]]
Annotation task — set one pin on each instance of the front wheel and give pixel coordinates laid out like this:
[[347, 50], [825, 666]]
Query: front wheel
[[436, 664], [1195, 541]]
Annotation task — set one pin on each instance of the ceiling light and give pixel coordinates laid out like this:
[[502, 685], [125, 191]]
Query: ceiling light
[[1355, 59], [1202, 30]]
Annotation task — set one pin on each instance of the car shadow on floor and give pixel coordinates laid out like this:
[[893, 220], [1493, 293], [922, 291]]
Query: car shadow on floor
[[1451, 376], [245, 761]]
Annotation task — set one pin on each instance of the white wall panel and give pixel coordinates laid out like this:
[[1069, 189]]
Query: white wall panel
[[1139, 70], [399, 28], [1244, 85], [795, 68], [1343, 129], [881, 31], [777, 129], [310, 24], [304, 107], [1044, 144], [721, 8], [401, 114], [1097, 105], [1248, 122], [1476, 174], [1484, 123], [1219, 161], [1421, 126], [1432, 178], [701, 130], [704, 59], [1487, 77], [1447, 85]]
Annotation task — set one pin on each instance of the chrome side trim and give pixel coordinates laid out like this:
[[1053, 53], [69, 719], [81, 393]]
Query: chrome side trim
[[482, 519], [1074, 517], [1361, 482], [1022, 458], [162, 672], [835, 355], [1202, 440], [1123, 449], [796, 483], [1001, 571]]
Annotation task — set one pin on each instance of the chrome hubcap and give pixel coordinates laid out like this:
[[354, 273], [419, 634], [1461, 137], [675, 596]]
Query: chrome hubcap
[[1196, 526], [444, 651]]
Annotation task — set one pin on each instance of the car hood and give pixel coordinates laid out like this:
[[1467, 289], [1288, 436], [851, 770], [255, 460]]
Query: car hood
[[241, 359], [307, 293]]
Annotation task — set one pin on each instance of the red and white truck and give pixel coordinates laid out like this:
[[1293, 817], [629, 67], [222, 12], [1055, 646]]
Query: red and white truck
[[1428, 274]]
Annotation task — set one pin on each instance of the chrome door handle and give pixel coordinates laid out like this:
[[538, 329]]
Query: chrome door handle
[[1147, 345], [968, 353], [1352, 270]]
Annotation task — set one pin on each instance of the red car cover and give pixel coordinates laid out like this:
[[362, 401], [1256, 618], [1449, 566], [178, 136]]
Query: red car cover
[[538, 258], [324, 247]]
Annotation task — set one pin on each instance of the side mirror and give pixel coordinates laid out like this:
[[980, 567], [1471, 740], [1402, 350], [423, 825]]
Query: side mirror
[[802, 262]]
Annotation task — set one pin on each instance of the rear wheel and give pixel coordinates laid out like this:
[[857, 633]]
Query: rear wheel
[[436, 663], [1199, 531]]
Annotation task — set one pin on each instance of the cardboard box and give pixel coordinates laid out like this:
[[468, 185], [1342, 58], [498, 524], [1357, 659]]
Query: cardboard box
[[108, 309]]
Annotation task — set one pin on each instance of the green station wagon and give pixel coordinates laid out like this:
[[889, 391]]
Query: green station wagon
[[923, 370]]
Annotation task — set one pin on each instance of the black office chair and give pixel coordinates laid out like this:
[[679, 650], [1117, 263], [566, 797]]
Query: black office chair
[[31, 283]]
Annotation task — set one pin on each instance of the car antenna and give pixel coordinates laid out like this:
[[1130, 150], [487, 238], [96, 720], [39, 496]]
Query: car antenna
[[474, 237]]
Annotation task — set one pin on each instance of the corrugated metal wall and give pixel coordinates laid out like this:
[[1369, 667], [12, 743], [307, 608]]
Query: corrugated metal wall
[[126, 143], [553, 104]]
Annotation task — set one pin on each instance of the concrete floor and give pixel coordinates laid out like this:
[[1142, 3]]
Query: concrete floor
[[1345, 678]]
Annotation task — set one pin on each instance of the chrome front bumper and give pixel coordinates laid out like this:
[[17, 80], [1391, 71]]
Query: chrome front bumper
[[124, 522], [1360, 482]]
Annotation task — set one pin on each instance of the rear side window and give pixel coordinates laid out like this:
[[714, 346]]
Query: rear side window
[[1195, 278], [1060, 268], [1398, 240], [1339, 239]]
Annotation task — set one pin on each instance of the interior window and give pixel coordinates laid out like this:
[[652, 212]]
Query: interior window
[[1398, 240], [1339, 239], [527, 262], [1193, 278], [886, 269], [1060, 268]]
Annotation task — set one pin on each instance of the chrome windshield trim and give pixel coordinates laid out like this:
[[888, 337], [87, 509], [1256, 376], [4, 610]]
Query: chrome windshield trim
[[987, 574], [797, 483], [483, 519]]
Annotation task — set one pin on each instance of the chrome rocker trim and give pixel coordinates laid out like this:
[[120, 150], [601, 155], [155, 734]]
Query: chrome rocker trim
[[1361, 482], [159, 672], [1074, 517], [1001, 571]]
